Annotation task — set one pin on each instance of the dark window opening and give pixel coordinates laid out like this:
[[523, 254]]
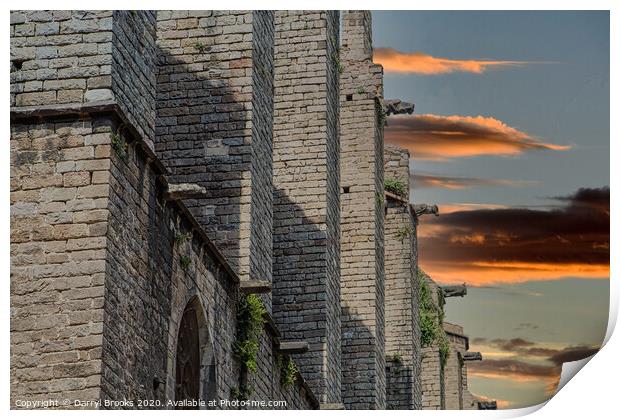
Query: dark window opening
[[188, 359], [16, 64], [346, 190], [349, 98]]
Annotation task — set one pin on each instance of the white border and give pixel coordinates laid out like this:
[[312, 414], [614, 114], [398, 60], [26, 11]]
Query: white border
[[593, 394]]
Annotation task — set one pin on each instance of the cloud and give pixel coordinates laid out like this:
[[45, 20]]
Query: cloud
[[456, 207], [570, 354], [421, 180], [394, 61], [509, 245], [437, 137], [520, 360], [515, 369]]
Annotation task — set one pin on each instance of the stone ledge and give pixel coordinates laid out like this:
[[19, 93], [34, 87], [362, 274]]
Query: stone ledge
[[184, 191], [255, 286], [293, 347], [392, 196], [332, 406]]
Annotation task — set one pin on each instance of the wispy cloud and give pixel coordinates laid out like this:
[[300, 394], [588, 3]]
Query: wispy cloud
[[394, 61], [520, 360], [438, 137], [512, 245], [424, 180]]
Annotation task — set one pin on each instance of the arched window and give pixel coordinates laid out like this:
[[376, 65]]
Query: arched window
[[195, 361]]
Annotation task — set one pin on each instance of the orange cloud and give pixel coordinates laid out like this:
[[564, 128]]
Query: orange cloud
[[438, 137], [485, 246], [456, 207], [488, 273], [421, 180], [394, 61]]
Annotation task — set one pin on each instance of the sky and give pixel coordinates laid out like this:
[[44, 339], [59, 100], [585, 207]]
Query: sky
[[510, 138]]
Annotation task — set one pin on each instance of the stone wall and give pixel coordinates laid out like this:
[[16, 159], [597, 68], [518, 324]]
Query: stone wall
[[306, 214], [455, 380], [65, 56], [362, 209], [281, 124], [433, 397], [59, 213], [402, 327], [432, 373], [103, 264], [214, 116], [60, 56]]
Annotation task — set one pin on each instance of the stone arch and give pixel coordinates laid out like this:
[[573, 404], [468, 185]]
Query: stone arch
[[194, 365]]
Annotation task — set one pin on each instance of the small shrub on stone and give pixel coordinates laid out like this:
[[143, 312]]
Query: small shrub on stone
[[250, 312], [288, 372], [395, 186], [403, 232], [181, 237], [120, 146], [200, 47], [431, 321], [185, 262]]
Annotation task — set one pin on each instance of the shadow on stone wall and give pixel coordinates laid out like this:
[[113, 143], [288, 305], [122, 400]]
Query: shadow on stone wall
[[200, 139], [305, 304]]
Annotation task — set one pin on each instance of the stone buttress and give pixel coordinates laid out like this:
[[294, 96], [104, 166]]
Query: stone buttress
[[214, 126], [362, 213], [402, 324], [306, 280]]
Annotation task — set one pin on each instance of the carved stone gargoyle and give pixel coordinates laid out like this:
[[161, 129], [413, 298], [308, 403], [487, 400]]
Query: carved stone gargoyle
[[420, 209], [471, 356], [487, 405], [396, 107], [453, 291]]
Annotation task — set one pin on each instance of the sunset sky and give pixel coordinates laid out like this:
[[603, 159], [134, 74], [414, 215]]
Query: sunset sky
[[510, 137]]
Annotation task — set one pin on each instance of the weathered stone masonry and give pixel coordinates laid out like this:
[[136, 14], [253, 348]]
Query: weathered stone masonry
[[106, 237], [306, 282], [402, 328], [164, 165], [214, 125], [362, 209]]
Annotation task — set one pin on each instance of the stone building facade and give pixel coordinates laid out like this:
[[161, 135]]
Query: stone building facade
[[402, 327], [362, 211], [166, 165], [306, 284]]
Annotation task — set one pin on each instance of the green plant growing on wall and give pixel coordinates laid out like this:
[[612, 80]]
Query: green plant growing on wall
[[201, 47], [444, 349], [360, 90], [242, 393], [181, 237], [185, 261], [395, 186], [336, 58], [397, 358], [403, 232], [381, 117], [431, 320], [288, 371], [119, 145], [250, 312], [380, 199]]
